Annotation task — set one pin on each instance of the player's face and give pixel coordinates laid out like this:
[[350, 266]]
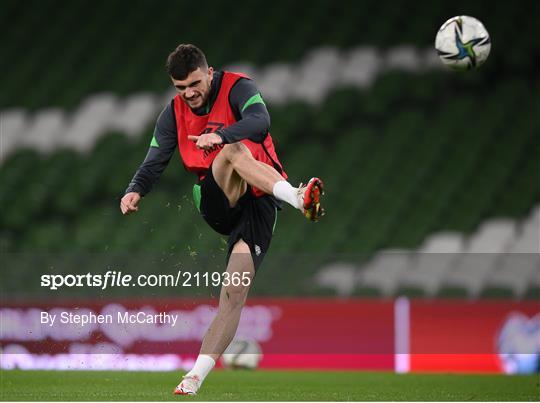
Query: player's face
[[194, 90]]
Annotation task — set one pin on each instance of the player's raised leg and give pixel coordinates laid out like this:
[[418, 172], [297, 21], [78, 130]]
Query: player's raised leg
[[237, 158], [223, 328]]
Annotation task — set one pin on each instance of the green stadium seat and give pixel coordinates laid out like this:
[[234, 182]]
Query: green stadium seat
[[411, 292], [533, 293], [497, 293], [367, 292], [452, 292]]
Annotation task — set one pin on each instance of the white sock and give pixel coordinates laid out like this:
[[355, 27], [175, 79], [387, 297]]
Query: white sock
[[283, 190], [202, 367]]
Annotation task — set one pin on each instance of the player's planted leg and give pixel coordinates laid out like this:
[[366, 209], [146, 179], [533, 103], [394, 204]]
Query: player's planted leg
[[231, 301], [223, 328]]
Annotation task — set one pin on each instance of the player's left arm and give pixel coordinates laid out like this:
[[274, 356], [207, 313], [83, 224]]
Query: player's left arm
[[253, 119]]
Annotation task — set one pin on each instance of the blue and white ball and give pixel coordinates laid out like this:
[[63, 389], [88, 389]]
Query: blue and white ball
[[463, 43]]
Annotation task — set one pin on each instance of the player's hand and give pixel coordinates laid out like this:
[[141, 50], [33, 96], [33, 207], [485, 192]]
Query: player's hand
[[206, 141], [128, 203]]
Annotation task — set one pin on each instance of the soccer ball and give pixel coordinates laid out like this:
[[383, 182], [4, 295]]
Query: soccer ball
[[463, 43], [242, 354]]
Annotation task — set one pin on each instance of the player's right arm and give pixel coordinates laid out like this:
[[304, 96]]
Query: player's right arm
[[162, 147], [128, 203]]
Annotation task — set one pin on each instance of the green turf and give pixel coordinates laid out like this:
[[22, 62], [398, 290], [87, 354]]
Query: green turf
[[266, 385]]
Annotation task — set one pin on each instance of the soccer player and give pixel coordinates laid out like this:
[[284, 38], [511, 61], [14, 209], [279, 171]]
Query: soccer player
[[220, 123]]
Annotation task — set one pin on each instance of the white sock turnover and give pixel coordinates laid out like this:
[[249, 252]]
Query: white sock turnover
[[202, 367], [283, 190]]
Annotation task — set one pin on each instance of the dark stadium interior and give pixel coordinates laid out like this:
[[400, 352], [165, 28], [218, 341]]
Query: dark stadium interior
[[414, 153]]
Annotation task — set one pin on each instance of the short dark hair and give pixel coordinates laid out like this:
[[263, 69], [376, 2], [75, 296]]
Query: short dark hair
[[185, 59]]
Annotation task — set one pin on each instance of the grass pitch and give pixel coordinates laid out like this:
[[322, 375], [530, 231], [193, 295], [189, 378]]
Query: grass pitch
[[266, 385]]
